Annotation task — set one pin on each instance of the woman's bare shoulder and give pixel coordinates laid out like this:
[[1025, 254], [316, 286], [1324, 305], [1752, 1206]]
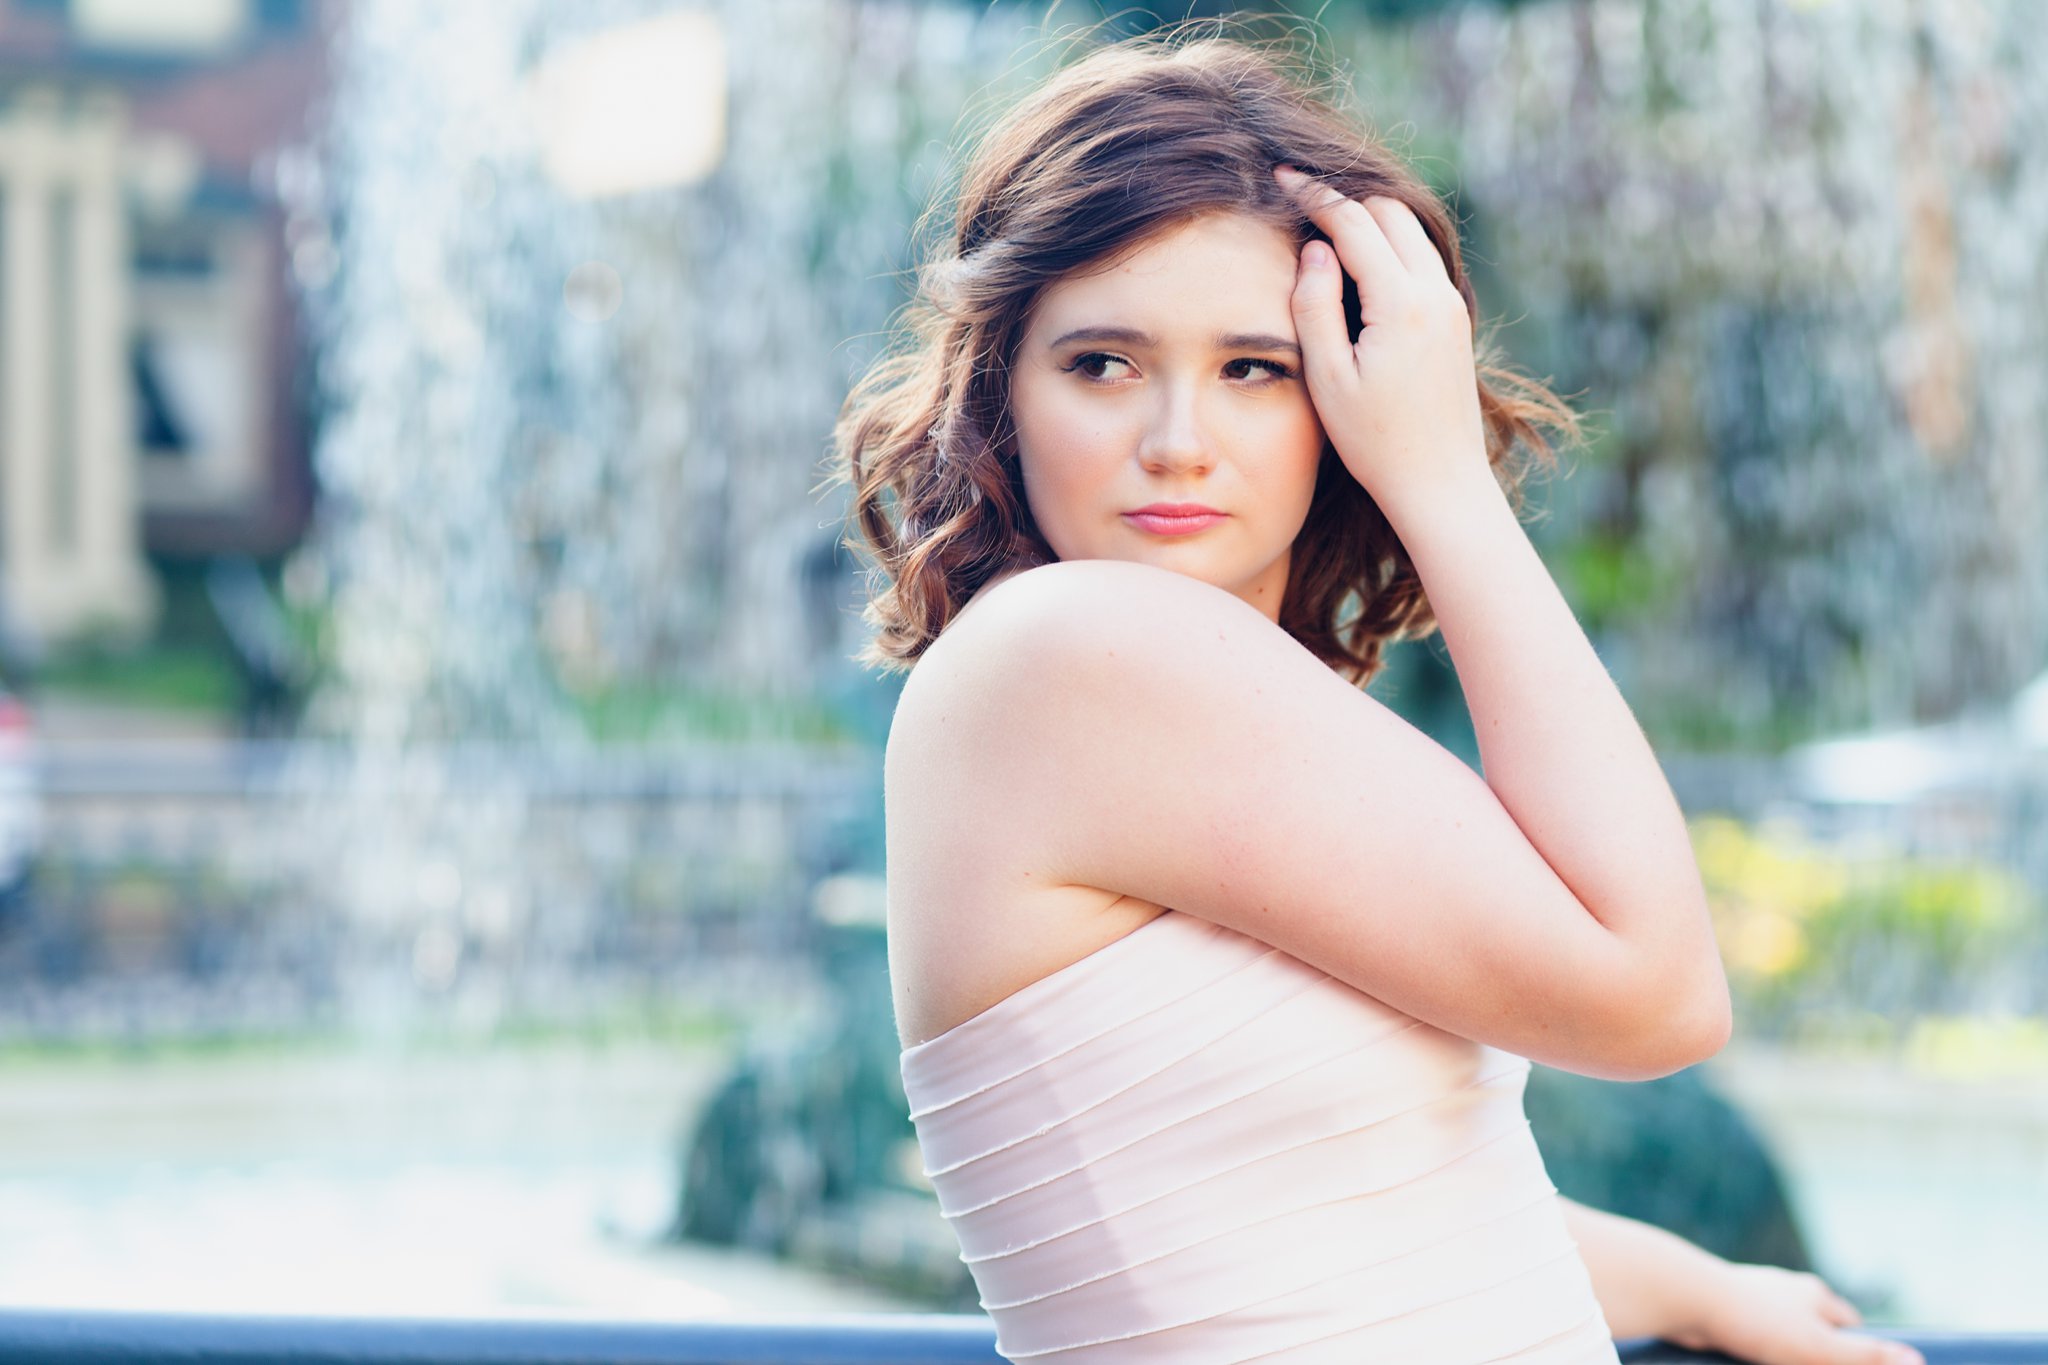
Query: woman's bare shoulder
[[1036, 615], [1053, 671], [974, 911], [1013, 674], [1054, 657]]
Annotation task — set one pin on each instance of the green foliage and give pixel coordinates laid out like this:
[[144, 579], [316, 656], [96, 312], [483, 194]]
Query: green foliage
[[1705, 726], [1614, 579], [178, 677], [1853, 944], [648, 712], [184, 663]]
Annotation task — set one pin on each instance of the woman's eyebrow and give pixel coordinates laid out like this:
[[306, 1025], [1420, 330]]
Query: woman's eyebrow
[[1227, 341]]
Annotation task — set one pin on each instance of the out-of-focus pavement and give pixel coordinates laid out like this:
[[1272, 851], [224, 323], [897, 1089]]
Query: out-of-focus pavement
[[463, 1185], [70, 720], [376, 1181]]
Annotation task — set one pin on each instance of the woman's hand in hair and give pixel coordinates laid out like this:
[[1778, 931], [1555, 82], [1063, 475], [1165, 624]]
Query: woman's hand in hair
[[1401, 402]]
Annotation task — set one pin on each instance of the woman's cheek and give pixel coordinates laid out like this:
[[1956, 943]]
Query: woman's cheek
[[1308, 425], [1043, 497]]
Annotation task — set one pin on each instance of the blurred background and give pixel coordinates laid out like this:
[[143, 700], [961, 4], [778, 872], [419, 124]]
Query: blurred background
[[440, 859]]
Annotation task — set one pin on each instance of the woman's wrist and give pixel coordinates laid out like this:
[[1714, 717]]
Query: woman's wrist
[[1710, 1296], [1452, 519], [1440, 496], [1650, 1282]]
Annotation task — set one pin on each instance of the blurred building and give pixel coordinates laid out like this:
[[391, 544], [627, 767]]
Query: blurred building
[[150, 384]]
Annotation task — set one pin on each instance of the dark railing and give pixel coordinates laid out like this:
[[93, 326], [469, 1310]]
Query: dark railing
[[56, 1337]]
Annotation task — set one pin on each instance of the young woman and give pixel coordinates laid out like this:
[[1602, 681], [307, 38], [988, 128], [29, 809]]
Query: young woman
[[1218, 982]]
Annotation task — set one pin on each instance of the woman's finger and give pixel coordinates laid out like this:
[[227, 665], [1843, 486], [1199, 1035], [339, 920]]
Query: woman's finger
[[1405, 233], [1361, 244], [1853, 1348], [1318, 305]]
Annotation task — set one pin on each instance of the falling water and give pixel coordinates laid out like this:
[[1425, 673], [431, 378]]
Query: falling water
[[1795, 251], [570, 452]]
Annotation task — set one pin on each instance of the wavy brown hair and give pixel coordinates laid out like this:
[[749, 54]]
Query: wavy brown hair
[[1128, 142]]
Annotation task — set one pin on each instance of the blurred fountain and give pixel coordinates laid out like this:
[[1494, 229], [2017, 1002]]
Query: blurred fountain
[[583, 279], [1792, 253]]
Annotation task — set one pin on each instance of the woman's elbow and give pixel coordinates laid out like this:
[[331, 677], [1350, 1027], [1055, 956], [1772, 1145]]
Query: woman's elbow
[[1715, 1023], [1688, 1033]]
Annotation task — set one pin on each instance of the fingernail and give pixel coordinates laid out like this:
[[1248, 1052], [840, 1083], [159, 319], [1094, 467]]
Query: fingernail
[[1315, 255], [1286, 172]]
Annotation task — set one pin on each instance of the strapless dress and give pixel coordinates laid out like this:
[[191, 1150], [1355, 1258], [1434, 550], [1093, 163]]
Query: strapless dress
[[1191, 1147]]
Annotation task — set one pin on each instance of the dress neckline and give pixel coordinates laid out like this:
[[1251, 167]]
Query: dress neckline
[[1025, 994]]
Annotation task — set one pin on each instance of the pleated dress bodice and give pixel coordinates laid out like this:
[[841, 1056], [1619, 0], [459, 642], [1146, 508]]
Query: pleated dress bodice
[[1191, 1147]]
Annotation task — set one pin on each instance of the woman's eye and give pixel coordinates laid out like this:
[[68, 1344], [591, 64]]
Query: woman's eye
[[1274, 367], [1087, 363], [1092, 363]]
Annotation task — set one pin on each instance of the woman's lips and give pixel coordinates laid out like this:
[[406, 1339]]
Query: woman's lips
[[1160, 523]]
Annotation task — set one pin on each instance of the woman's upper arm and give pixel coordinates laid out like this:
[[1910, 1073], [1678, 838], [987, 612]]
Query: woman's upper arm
[[1165, 740]]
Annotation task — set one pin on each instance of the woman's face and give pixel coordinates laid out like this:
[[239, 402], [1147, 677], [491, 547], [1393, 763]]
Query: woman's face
[[1174, 377]]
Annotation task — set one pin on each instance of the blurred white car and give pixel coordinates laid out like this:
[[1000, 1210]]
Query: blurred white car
[[21, 813]]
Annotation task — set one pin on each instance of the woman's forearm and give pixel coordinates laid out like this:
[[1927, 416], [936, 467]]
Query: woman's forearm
[[1559, 746], [1650, 1283]]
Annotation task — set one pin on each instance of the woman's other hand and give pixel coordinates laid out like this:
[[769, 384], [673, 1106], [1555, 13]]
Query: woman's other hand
[[1774, 1316], [1401, 404]]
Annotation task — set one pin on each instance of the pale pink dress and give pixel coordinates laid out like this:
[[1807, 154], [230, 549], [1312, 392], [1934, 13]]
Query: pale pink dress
[[1192, 1147]]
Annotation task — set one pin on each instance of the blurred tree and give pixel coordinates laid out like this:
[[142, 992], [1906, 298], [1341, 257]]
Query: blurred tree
[[1670, 1152]]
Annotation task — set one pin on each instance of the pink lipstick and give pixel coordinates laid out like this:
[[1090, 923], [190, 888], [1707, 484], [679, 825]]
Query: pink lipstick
[[1174, 518]]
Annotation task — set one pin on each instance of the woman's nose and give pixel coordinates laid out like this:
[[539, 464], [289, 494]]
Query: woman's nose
[[1175, 438]]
